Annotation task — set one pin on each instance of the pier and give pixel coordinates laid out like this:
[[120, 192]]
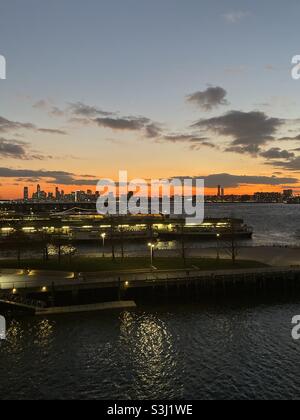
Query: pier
[[44, 288]]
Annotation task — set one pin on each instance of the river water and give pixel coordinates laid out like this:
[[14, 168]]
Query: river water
[[274, 224], [190, 351]]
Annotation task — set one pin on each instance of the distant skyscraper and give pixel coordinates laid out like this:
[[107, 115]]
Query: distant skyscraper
[[26, 194], [219, 190], [222, 192], [288, 194], [57, 194], [38, 191]]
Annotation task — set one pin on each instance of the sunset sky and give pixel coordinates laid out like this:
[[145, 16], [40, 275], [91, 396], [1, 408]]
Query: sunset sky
[[161, 88]]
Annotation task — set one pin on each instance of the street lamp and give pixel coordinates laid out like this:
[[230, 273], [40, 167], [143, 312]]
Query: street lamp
[[103, 236], [218, 246], [151, 246]]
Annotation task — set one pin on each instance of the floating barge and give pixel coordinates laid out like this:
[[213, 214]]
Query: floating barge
[[81, 226], [224, 229]]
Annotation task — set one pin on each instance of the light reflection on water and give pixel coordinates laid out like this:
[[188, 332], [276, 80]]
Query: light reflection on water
[[151, 347], [190, 351]]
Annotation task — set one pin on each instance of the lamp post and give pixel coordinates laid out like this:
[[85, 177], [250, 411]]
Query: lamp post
[[218, 246], [103, 236], [151, 246]]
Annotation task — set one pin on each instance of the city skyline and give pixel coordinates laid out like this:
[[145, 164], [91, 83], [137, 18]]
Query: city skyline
[[89, 195], [87, 99]]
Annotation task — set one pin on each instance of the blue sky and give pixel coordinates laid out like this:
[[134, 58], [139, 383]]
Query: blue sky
[[143, 58]]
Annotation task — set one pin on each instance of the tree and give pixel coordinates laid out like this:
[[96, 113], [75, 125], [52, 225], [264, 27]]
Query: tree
[[20, 241], [112, 238], [232, 248], [183, 253]]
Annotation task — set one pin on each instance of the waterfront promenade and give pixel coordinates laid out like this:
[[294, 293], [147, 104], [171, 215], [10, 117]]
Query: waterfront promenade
[[38, 281]]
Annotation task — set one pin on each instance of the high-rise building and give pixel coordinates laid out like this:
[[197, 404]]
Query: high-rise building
[[26, 194], [57, 194], [219, 190], [38, 191], [288, 194], [222, 192]]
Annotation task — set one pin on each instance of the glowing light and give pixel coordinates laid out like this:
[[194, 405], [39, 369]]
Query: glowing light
[[14, 291], [44, 289]]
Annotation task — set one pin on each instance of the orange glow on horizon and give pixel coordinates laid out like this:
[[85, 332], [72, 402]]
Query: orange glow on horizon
[[8, 192]]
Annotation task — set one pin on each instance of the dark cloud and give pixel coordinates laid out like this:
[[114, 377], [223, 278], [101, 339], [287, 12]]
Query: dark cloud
[[149, 128], [52, 131], [277, 153], [7, 126], [14, 149], [251, 149], [133, 124], [153, 130], [56, 177], [234, 181], [231, 181], [82, 110], [290, 165], [295, 138], [193, 141], [83, 114], [209, 99], [248, 130]]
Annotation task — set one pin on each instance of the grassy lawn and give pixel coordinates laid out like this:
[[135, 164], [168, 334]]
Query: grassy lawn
[[85, 264]]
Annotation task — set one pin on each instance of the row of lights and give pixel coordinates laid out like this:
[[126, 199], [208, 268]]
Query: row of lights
[[15, 291]]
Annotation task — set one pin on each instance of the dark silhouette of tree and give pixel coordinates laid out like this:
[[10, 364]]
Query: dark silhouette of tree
[[112, 238], [183, 253], [19, 240]]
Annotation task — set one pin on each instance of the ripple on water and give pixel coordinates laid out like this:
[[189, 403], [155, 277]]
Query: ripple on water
[[186, 351]]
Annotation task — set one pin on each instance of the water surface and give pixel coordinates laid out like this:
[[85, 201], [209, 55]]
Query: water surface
[[191, 351]]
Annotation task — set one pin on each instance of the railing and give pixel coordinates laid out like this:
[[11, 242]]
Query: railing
[[8, 297]]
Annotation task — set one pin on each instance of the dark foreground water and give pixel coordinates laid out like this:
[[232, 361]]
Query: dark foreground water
[[190, 351]]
